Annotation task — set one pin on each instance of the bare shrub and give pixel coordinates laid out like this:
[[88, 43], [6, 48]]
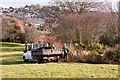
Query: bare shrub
[[32, 35], [90, 26], [89, 58], [112, 56]]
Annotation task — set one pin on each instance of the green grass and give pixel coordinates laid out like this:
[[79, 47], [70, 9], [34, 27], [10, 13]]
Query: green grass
[[14, 67], [10, 47]]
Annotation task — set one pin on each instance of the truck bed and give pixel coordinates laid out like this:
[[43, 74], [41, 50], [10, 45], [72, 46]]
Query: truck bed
[[46, 52]]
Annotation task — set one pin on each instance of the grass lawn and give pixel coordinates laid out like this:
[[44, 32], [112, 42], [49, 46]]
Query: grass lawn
[[14, 67]]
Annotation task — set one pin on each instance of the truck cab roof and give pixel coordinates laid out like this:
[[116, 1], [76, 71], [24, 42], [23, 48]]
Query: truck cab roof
[[38, 45]]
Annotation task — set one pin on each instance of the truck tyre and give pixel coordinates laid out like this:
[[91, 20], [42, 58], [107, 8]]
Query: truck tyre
[[39, 61], [25, 60], [48, 60], [57, 60]]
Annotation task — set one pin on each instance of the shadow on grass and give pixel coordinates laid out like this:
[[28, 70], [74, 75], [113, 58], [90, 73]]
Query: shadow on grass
[[11, 49], [16, 59], [12, 62], [21, 62], [18, 62], [13, 59]]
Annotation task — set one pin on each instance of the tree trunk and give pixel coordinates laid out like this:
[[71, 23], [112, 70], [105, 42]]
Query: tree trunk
[[119, 26]]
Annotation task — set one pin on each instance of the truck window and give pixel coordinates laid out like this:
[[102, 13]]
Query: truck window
[[44, 45], [39, 46], [35, 46], [29, 48]]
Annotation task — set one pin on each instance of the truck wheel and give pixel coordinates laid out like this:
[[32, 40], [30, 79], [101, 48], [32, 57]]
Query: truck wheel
[[39, 61], [56, 60], [25, 60]]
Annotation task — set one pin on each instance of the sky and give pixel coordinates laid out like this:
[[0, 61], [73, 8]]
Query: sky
[[19, 3]]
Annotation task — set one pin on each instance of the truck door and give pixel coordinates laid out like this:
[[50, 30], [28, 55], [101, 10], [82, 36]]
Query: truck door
[[28, 53]]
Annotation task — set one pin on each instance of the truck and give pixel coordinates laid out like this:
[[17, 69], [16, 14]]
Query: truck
[[41, 52]]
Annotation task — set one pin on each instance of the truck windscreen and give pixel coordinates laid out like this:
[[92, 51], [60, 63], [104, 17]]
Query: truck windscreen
[[37, 46]]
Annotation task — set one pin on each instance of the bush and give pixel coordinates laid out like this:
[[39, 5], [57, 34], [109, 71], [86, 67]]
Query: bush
[[97, 57], [96, 46], [83, 52], [70, 57], [89, 58], [31, 35], [107, 39], [112, 56], [82, 56], [95, 53]]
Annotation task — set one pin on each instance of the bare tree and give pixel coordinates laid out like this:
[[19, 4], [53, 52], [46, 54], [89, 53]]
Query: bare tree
[[86, 27], [35, 7], [38, 7], [112, 10], [31, 35], [10, 30], [78, 6]]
